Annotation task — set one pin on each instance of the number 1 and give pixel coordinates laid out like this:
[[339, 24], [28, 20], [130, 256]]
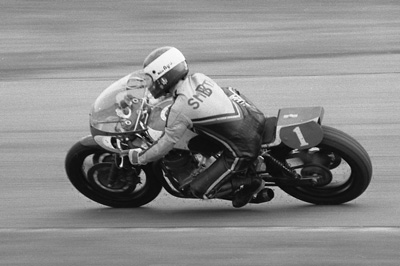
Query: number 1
[[303, 142]]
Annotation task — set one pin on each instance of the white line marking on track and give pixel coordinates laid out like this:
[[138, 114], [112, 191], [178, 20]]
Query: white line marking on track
[[208, 229]]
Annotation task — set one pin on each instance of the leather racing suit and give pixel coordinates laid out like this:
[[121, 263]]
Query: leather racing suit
[[220, 114]]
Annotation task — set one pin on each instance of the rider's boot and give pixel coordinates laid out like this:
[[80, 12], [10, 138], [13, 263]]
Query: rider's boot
[[250, 189], [264, 195]]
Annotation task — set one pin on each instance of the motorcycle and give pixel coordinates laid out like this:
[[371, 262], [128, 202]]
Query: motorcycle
[[312, 162]]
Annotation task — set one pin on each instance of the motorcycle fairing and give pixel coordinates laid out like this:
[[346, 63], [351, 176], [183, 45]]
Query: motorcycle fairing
[[125, 108], [299, 127], [120, 107]]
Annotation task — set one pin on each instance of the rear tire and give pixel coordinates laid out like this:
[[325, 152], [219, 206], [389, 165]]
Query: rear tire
[[87, 167], [350, 166]]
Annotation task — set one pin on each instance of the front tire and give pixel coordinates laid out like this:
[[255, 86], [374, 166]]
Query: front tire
[[349, 165], [87, 168]]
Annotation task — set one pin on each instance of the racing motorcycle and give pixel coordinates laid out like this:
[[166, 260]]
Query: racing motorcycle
[[314, 163]]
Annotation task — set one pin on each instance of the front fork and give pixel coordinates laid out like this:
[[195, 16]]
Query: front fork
[[121, 164]]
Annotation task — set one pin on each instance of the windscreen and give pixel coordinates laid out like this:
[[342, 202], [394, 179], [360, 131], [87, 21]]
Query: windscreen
[[119, 107]]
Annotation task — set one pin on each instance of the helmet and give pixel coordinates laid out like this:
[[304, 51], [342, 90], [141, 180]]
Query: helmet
[[166, 66]]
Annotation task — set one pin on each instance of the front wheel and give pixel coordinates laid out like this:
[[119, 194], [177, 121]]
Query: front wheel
[[342, 164], [88, 168]]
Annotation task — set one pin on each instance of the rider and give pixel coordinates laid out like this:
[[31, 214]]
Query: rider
[[217, 115]]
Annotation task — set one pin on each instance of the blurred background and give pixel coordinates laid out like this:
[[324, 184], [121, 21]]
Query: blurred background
[[43, 38]]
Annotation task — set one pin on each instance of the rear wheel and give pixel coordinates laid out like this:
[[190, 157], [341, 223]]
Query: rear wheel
[[88, 169], [339, 162]]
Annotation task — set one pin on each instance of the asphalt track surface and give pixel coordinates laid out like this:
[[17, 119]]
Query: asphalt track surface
[[57, 56]]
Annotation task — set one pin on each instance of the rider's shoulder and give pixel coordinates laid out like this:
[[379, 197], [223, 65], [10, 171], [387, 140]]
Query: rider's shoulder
[[189, 85], [199, 78]]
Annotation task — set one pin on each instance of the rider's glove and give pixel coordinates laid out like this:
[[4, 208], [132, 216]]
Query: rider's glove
[[134, 156]]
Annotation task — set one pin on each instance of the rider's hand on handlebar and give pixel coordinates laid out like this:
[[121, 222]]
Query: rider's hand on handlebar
[[134, 156]]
